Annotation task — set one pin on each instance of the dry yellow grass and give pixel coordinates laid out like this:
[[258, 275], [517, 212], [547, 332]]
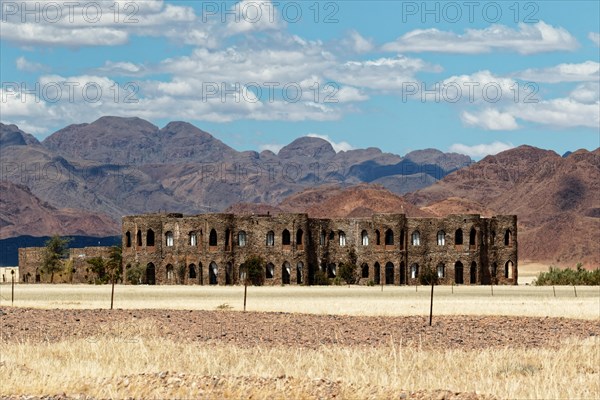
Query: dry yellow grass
[[340, 300], [80, 366]]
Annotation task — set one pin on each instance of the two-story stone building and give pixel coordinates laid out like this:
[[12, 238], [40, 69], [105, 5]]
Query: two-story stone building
[[208, 249]]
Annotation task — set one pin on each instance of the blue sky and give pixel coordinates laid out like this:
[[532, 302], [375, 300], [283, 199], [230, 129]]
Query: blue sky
[[471, 77]]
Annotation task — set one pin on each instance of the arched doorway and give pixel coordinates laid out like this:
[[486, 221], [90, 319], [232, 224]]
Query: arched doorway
[[286, 273], [229, 274], [458, 273], [473, 273], [150, 274], [299, 273], [389, 273], [213, 274], [377, 273]]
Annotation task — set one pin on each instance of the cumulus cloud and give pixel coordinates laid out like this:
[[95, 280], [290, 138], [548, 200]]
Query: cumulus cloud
[[581, 72], [595, 37], [337, 146], [25, 65], [481, 150], [490, 119], [527, 39]]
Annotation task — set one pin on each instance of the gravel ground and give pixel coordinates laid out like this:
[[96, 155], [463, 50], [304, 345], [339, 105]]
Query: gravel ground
[[309, 331]]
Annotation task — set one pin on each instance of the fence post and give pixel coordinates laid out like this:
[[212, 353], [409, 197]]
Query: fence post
[[12, 295], [431, 304]]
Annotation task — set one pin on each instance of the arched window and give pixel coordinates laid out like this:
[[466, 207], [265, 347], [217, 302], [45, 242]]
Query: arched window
[[508, 269], [472, 237], [241, 238], [365, 238], [269, 271], [227, 238], [139, 238], [285, 238], [128, 239], [377, 237], [342, 236], [441, 271], [193, 239], [458, 237], [507, 237], [169, 241], [299, 237], [492, 237], [322, 238], [416, 238], [441, 238], [212, 238], [389, 237], [192, 271], [150, 238], [331, 271], [170, 274], [270, 238], [414, 271]]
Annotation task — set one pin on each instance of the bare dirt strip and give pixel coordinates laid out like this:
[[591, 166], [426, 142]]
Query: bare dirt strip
[[300, 330]]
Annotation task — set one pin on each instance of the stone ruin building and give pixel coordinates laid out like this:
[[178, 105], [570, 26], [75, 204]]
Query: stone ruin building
[[391, 249], [77, 269]]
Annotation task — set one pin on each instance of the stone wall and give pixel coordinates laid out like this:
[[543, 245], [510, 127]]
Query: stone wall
[[387, 248], [75, 266]]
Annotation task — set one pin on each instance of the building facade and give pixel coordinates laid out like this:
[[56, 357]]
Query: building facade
[[392, 249]]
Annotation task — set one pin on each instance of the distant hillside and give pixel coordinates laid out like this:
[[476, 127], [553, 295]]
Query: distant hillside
[[22, 213], [555, 198], [332, 201]]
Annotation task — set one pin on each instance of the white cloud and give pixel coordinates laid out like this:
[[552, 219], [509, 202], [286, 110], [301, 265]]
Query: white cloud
[[586, 71], [271, 147], [595, 37], [490, 119], [559, 113], [28, 66], [528, 39], [385, 74], [481, 150], [337, 146], [359, 44], [588, 92], [252, 16]]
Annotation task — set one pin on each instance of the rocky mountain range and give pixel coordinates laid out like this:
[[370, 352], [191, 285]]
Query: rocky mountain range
[[83, 178], [120, 166]]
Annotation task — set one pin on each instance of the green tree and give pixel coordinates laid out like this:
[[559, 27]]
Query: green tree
[[57, 249], [114, 265], [99, 268], [134, 274], [107, 270], [254, 267], [428, 276]]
